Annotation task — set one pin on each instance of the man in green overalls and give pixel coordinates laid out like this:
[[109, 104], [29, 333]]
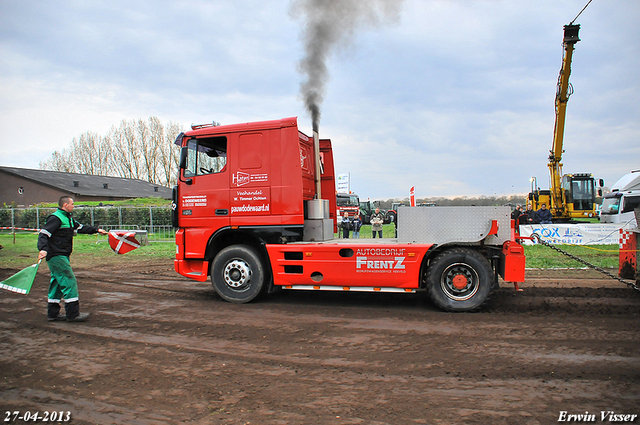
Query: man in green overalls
[[55, 243]]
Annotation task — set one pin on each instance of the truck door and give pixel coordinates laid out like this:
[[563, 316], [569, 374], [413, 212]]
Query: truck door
[[204, 197], [250, 180]]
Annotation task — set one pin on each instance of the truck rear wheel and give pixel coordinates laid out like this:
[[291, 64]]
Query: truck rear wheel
[[238, 274], [460, 279]]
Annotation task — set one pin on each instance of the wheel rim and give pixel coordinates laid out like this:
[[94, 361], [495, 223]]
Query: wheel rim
[[237, 274], [459, 282]]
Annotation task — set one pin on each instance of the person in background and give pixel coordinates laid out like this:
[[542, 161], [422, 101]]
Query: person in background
[[515, 214], [345, 225], [55, 243], [356, 223], [530, 216], [544, 215], [376, 223]]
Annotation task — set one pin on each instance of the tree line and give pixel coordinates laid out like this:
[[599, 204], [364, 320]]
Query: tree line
[[136, 149]]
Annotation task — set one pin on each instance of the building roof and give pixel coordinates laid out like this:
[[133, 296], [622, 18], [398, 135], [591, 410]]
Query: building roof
[[89, 185]]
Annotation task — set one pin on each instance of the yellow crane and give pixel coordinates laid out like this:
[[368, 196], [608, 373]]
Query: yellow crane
[[570, 195]]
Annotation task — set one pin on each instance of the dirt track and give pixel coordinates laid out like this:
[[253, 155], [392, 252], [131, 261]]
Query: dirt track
[[160, 349]]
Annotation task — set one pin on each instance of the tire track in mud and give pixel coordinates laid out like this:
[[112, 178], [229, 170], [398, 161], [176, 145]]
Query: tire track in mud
[[383, 317], [540, 295], [162, 347], [142, 285]]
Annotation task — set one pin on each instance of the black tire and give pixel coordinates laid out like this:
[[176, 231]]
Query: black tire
[[391, 217], [460, 279], [238, 274]]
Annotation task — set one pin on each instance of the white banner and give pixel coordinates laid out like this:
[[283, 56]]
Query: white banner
[[574, 234], [343, 183]]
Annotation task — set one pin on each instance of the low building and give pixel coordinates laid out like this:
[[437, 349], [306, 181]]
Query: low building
[[25, 187]]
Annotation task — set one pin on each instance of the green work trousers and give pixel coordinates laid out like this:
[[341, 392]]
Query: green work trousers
[[63, 282]]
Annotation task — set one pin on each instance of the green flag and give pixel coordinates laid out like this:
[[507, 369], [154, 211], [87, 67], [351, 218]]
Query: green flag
[[21, 282]]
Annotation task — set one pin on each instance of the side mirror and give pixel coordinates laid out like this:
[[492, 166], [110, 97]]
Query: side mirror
[[600, 193], [601, 182], [174, 207], [183, 158]]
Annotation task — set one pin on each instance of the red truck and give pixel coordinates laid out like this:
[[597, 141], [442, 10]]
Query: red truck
[[347, 203], [249, 213]]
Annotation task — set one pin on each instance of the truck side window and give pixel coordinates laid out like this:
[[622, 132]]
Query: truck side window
[[206, 156], [631, 203]]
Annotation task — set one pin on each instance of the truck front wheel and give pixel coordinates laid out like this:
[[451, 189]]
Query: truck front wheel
[[391, 216], [237, 274], [460, 279]]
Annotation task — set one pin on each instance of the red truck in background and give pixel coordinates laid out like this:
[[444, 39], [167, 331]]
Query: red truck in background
[[248, 215], [347, 203]]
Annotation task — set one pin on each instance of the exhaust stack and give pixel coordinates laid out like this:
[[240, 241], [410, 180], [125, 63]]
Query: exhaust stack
[[316, 148], [318, 226]]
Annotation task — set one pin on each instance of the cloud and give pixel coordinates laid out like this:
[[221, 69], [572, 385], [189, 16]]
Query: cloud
[[456, 97]]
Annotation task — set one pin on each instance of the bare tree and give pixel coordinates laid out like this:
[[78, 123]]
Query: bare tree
[[126, 155], [136, 149], [169, 154], [59, 161], [91, 154], [149, 145], [104, 153]]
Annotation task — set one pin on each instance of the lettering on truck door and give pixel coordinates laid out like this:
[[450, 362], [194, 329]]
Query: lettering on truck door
[[251, 181]]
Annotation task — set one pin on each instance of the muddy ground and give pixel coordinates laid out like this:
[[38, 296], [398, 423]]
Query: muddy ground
[[161, 349]]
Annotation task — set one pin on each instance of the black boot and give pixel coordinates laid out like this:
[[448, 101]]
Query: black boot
[[73, 312], [72, 309], [53, 312], [82, 317]]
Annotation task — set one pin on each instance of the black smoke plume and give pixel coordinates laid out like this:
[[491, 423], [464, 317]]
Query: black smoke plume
[[330, 24]]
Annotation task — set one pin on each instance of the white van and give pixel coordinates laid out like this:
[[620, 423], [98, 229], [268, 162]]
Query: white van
[[618, 205]]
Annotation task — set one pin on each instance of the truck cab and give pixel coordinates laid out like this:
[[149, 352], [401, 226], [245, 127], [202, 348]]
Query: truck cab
[[249, 182], [618, 205]]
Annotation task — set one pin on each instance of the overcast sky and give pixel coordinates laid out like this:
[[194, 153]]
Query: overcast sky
[[454, 97]]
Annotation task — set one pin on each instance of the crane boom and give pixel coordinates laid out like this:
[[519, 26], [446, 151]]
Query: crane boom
[[563, 92]]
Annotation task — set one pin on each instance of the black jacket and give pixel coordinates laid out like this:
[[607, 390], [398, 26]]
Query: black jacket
[[56, 236], [544, 215]]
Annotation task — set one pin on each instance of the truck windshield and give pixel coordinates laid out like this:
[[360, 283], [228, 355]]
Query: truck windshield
[[610, 206], [345, 200], [206, 156]]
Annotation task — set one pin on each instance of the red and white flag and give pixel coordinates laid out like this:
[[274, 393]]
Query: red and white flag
[[412, 192], [123, 241]]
